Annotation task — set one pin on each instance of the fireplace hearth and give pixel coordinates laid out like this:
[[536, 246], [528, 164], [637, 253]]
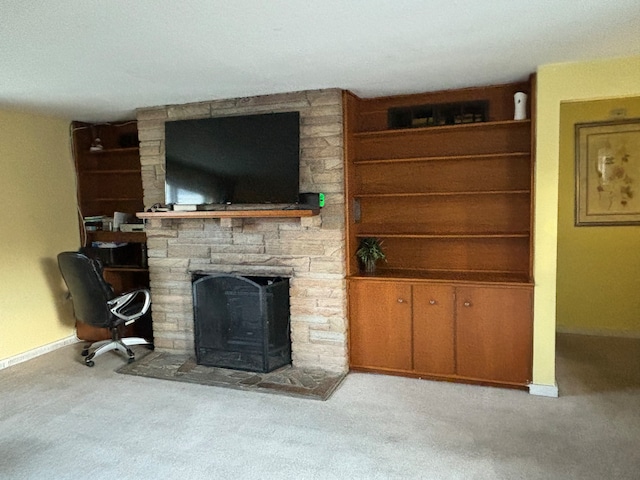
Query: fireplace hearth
[[241, 322]]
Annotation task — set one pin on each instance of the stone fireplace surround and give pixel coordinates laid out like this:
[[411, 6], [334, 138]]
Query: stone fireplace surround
[[310, 250]]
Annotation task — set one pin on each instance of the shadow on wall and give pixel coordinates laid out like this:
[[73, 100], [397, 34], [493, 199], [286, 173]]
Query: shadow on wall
[[59, 292]]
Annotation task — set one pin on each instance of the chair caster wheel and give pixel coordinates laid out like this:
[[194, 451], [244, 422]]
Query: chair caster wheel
[[84, 352], [90, 363], [151, 347], [131, 360]]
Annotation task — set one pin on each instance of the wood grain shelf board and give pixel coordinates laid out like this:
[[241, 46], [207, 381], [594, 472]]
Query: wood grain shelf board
[[443, 235], [106, 151], [441, 194], [112, 199], [106, 236], [116, 268], [492, 277], [232, 214], [442, 128], [119, 171], [514, 155]]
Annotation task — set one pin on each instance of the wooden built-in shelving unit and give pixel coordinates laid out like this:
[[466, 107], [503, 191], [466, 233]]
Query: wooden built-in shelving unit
[[452, 205], [109, 180]]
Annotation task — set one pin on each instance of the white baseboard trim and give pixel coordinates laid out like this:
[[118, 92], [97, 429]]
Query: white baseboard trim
[[599, 332], [543, 390], [36, 352]]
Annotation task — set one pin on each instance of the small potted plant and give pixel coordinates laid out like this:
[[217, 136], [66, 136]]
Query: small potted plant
[[369, 252]]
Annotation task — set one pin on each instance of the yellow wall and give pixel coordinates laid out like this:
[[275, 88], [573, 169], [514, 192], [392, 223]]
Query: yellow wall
[[38, 218], [559, 83], [598, 266]]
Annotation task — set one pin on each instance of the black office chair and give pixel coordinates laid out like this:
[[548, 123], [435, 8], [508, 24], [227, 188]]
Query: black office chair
[[95, 303]]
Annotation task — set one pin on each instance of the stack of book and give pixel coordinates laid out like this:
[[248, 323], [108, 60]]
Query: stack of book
[[93, 223]]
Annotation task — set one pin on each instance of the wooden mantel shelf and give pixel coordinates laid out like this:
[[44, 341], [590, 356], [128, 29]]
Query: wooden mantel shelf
[[232, 214]]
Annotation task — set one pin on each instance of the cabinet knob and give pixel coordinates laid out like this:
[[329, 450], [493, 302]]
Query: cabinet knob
[[400, 300], [467, 304], [432, 302]]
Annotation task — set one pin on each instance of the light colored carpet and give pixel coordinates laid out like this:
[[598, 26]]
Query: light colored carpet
[[62, 420]]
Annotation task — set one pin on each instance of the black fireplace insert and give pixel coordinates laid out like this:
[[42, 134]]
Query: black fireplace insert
[[241, 322]]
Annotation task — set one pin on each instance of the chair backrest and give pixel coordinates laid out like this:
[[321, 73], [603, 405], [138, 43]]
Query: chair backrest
[[88, 288]]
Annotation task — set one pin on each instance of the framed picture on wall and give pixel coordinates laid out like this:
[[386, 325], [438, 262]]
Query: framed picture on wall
[[608, 173]]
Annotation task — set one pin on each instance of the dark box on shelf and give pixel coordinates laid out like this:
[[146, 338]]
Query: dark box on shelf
[[128, 254]]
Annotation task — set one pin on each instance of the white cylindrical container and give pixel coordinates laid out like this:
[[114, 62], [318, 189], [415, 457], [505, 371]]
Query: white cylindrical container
[[520, 105]]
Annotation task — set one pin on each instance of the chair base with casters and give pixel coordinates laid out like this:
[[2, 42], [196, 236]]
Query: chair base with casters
[[116, 343], [125, 309]]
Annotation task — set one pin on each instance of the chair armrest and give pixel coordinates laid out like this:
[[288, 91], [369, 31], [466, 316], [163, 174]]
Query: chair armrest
[[116, 305]]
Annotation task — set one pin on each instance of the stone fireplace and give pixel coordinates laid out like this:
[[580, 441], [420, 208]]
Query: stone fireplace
[[309, 251]]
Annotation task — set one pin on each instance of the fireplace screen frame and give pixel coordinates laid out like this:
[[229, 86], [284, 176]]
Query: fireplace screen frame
[[241, 322]]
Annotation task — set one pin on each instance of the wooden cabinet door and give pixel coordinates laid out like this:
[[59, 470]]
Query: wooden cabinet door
[[433, 329], [380, 324], [494, 333]]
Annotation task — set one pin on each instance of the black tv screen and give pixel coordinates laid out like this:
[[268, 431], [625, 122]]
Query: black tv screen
[[249, 159]]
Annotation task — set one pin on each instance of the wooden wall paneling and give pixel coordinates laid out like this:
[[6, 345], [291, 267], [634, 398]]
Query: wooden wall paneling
[[446, 214], [349, 105], [462, 174], [490, 254], [455, 140]]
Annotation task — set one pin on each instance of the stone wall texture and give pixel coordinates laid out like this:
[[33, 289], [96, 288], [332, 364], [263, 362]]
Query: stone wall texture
[[309, 250]]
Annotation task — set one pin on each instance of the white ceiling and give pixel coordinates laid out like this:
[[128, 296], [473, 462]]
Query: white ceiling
[[99, 60]]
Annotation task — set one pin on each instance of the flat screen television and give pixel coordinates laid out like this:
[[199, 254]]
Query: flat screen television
[[248, 159]]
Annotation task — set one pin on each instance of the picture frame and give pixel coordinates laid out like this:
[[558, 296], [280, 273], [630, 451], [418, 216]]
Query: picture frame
[[608, 173]]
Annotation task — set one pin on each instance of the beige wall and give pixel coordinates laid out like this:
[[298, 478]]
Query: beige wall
[[38, 219], [598, 280], [556, 84]]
